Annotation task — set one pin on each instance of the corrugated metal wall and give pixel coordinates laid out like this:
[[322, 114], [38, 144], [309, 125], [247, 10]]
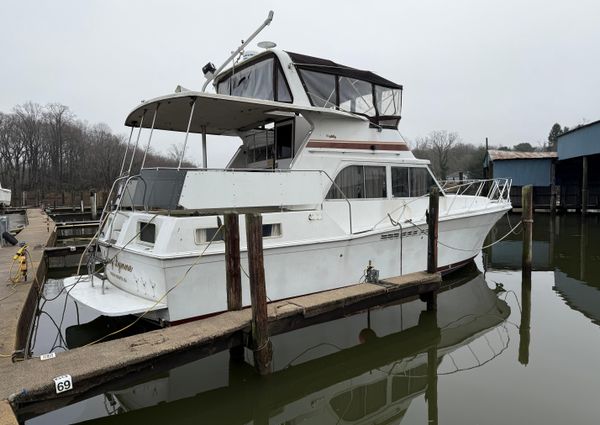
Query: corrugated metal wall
[[536, 172], [583, 141]]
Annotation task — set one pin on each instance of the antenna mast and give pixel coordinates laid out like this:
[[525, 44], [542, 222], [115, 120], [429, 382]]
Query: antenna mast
[[239, 49]]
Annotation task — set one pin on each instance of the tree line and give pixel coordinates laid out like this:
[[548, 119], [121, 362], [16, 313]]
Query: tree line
[[449, 155], [47, 149]]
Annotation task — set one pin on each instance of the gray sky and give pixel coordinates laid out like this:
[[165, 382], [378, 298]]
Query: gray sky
[[503, 69]]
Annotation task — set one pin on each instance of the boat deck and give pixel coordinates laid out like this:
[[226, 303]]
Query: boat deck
[[29, 384]]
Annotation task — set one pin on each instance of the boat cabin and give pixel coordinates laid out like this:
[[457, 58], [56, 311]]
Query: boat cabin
[[293, 112]]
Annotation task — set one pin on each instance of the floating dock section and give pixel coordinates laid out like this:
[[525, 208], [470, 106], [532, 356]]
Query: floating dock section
[[30, 386]]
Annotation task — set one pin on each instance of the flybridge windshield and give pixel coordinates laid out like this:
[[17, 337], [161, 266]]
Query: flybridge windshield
[[331, 85], [259, 80]]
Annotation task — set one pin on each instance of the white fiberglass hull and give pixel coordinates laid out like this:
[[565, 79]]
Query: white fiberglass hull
[[292, 270]]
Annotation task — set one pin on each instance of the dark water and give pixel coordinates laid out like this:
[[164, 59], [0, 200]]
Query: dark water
[[496, 352]]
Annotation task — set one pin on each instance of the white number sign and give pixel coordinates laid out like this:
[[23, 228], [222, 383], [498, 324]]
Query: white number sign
[[63, 383]]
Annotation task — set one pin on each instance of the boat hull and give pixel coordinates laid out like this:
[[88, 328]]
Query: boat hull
[[191, 287]]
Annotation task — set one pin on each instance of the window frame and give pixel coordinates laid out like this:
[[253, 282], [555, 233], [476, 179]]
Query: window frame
[[334, 184], [409, 167]]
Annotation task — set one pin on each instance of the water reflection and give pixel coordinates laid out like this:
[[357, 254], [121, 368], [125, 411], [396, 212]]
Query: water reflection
[[560, 244], [366, 368]]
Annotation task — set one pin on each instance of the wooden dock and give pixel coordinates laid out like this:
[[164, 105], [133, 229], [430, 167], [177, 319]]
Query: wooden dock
[[30, 387], [18, 301]]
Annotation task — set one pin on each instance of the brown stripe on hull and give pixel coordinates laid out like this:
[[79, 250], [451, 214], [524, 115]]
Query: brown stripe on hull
[[364, 145]]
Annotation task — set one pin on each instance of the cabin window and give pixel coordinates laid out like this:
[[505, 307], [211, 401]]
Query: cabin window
[[209, 234], [284, 139], [271, 230], [263, 79], [147, 232], [400, 182], [411, 182], [356, 96], [320, 87], [359, 181], [420, 181]]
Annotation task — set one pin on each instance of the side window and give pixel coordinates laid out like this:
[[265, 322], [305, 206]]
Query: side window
[[320, 87], [413, 182], [420, 181], [400, 182], [375, 182], [147, 232], [271, 230], [359, 181], [208, 234]]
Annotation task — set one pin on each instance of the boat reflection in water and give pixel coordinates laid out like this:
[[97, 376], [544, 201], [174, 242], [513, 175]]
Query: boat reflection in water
[[365, 368]]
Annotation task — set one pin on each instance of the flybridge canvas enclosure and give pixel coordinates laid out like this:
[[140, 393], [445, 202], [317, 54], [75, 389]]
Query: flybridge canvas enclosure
[[155, 189], [244, 191], [329, 67]]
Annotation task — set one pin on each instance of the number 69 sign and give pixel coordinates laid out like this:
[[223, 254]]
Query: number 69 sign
[[63, 383]]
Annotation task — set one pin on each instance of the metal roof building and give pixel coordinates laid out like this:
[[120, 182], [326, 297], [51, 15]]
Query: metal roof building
[[572, 173], [524, 168]]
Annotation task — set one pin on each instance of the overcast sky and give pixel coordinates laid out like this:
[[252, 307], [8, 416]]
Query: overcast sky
[[503, 69]]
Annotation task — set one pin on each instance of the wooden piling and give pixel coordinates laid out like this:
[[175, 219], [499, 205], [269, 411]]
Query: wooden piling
[[584, 186], [432, 224], [233, 276], [527, 221], [432, 244], [553, 187], [93, 204], [258, 294]]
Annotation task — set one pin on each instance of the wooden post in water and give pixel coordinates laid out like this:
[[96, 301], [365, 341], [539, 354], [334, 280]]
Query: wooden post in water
[[93, 204], [584, 186], [432, 241], [432, 224], [260, 327], [233, 272], [527, 221], [553, 187]]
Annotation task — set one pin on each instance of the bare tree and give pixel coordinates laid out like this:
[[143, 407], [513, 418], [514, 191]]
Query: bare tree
[[437, 147]]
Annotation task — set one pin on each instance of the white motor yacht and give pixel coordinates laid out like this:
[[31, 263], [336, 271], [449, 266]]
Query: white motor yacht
[[321, 157]]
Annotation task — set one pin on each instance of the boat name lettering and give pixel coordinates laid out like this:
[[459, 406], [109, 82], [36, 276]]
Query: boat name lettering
[[396, 235], [122, 266]]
